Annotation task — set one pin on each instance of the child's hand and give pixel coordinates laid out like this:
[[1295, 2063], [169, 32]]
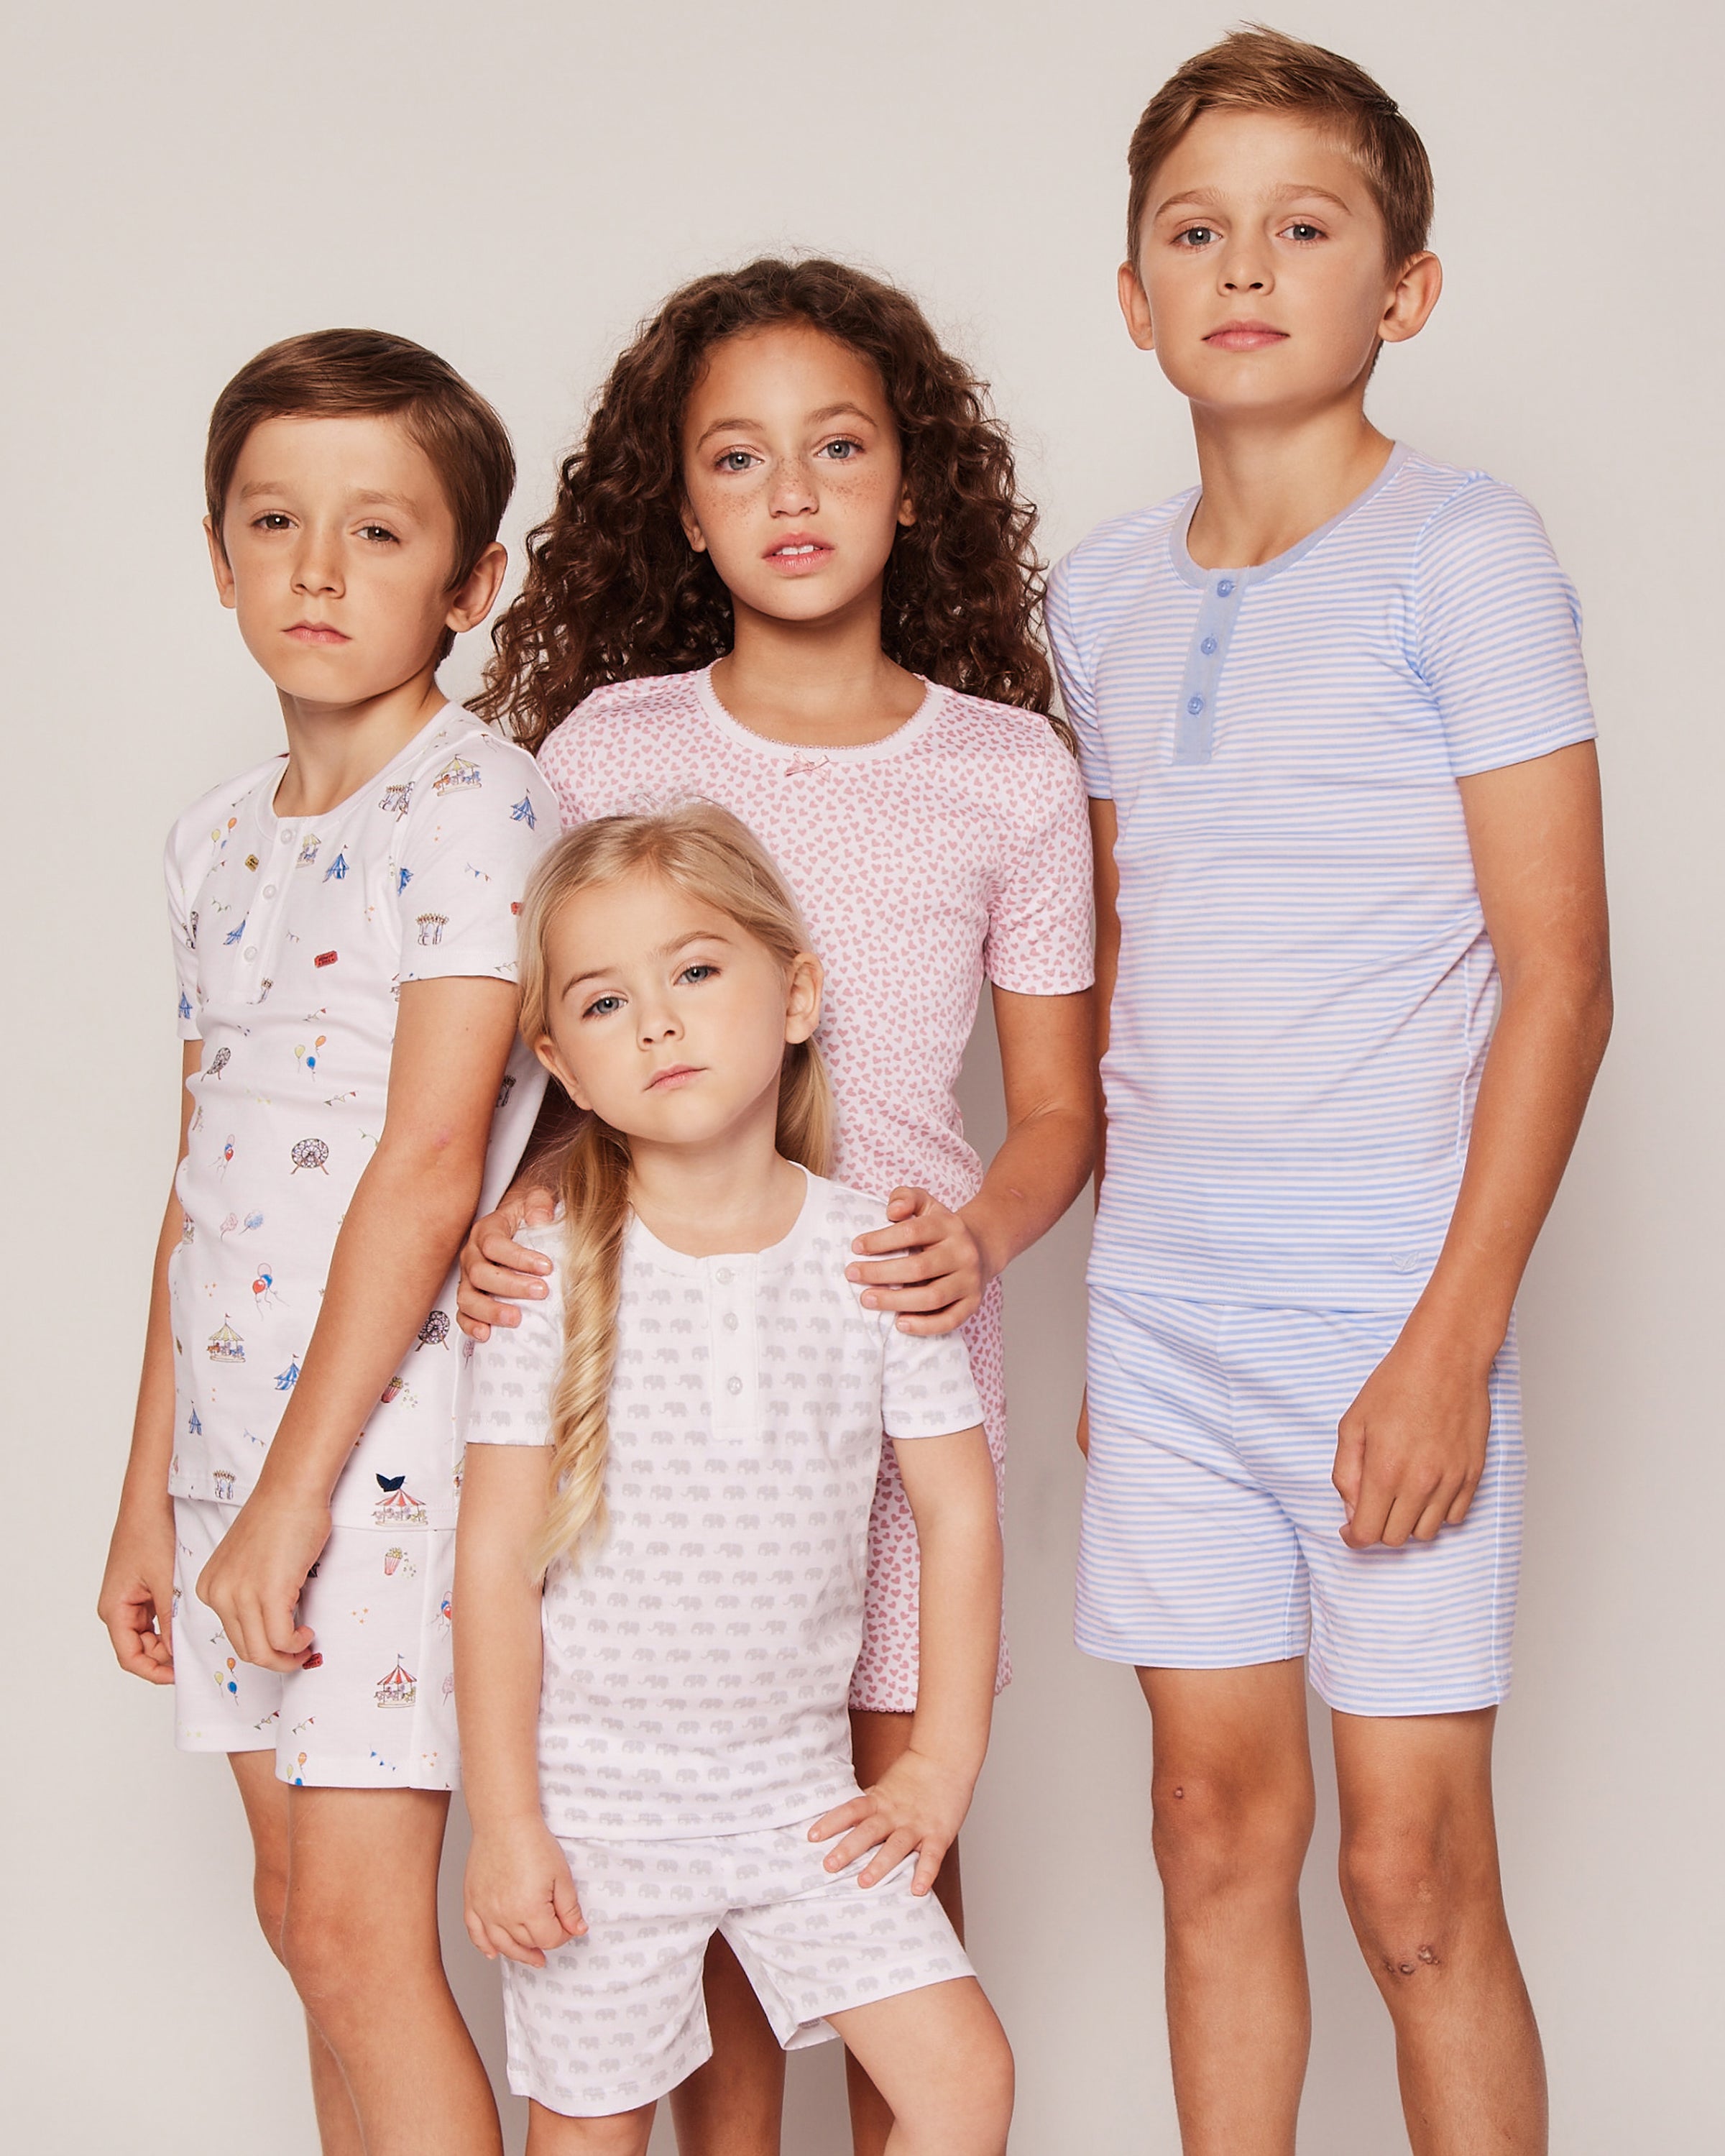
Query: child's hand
[[520, 1898], [917, 1804], [137, 1597], [254, 1581], [1412, 1447], [496, 1272], [928, 1264]]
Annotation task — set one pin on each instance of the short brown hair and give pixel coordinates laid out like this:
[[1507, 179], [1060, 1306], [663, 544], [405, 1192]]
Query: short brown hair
[[328, 373], [1260, 70]]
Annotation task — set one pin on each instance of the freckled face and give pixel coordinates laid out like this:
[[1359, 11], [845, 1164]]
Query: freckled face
[[336, 552], [792, 473], [1261, 279], [666, 1018]]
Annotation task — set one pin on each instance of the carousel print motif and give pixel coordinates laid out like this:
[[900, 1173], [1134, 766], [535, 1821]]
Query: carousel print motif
[[398, 1688], [398, 1507]]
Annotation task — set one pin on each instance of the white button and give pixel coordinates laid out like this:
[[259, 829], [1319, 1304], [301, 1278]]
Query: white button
[[251, 949], [724, 1276], [284, 838], [730, 1321], [733, 1384], [269, 890]]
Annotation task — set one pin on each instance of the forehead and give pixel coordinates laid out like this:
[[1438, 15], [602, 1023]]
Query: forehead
[[353, 452], [789, 367], [636, 913], [1258, 156]]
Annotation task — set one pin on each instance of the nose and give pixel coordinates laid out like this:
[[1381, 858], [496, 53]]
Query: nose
[[1246, 265], [659, 1022], [792, 491], [317, 564]]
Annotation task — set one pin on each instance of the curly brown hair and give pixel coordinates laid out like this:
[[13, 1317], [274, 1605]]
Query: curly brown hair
[[614, 592]]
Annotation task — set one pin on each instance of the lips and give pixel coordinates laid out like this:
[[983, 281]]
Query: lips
[[316, 633], [798, 552], [667, 1080], [1246, 336]]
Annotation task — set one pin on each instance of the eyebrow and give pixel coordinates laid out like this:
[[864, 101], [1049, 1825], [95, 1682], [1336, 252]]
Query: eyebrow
[[814, 418], [1289, 190], [368, 495], [664, 951]]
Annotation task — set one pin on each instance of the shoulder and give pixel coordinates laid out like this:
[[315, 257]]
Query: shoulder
[[461, 753], [620, 707], [840, 1213], [197, 830], [1450, 508], [1117, 547], [1023, 766]]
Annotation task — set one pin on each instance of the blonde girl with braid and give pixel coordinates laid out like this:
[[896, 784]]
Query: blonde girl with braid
[[663, 1552]]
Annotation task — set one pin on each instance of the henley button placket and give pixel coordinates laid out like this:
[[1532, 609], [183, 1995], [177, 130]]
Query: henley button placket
[[1195, 722], [731, 1301]]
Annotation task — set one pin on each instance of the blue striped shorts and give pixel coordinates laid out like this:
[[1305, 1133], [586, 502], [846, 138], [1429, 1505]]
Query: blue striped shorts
[[1211, 1532]]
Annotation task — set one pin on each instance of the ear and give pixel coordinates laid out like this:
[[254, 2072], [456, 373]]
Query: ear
[[804, 991], [219, 563], [546, 1049], [691, 527], [906, 509], [1411, 299], [1134, 305], [471, 601]]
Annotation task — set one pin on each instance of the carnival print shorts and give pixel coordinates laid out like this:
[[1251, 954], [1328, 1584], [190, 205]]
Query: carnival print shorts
[[616, 2019], [373, 1707], [1211, 1530]]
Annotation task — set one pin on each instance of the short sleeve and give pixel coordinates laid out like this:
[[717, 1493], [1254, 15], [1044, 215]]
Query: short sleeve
[[1497, 633], [1041, 938], [926, 1389], [185, 943], [1072, 669], [504, 1394], [474, 831]]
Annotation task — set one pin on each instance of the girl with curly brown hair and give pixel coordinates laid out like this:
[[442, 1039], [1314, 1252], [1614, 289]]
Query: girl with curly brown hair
[[789, 570]]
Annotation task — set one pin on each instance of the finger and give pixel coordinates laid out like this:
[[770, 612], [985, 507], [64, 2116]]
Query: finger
[[285, 1637], [918, 1233], [841, 1817], [1404, 1517], [929, 1859], [165, 1623], [1432, 1515], [523, 1951], [867, 1834], [940, 1320], [1365, 1524], [1350, 1462], [1461, 1503], [494, 1246], [888, 1857], [539, 1209], [912, 1197], [477, 1932], [506, 1284], [566, 1903], [916, 1301], [469, 1325]]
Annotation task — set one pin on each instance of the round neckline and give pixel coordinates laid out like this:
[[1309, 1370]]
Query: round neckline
[[1189, 572], [682, 1264], [407, 748], [811, 755]]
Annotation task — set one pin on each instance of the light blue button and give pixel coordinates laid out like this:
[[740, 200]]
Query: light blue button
[[1207, 646], [1225, 588], [1194, 705]]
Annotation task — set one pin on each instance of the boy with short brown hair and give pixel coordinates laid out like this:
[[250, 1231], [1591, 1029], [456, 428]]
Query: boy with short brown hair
[[345, 938], [1335, 729]]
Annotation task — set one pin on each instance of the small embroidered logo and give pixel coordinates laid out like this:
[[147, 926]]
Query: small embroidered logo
[[800, 765]]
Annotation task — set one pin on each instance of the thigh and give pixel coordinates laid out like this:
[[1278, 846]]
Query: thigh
[[1416, 1777], [1229, 1734], [616, 2019], [221, 1704], [939, 2057], [1185, 1560], [365, 1862], [1424, 1629], [373, 1707], [813, 1943]]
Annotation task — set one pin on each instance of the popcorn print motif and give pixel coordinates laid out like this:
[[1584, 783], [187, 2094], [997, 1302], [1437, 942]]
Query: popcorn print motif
[[955, 850]]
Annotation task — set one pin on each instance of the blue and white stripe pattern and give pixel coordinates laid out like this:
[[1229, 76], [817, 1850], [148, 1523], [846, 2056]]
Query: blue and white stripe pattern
[[1306, 989], [1211, 1533]]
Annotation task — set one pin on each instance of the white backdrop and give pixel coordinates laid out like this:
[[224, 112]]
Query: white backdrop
[[515, 185]]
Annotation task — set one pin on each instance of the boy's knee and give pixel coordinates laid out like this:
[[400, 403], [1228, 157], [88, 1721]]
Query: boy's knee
[[1407, 1896], [624, 2134], [1214, 1835], [331, 1957]]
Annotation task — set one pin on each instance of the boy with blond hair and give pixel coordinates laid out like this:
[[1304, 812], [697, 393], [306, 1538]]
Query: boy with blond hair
[[1354, 981], [344, 933]]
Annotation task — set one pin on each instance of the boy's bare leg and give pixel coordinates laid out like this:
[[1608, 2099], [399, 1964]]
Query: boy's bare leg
[[876, 1740], [1232, 1792], [734, 2105], [622, 2133], [359, 1938], [1420, 1879], [940, 2058], [266, 1799]]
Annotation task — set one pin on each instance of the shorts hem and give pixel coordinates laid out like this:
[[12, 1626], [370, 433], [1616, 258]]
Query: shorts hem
[[356, 1775], [816, 2028], [605, 2105], [1403, 1706], [1250, 1658]]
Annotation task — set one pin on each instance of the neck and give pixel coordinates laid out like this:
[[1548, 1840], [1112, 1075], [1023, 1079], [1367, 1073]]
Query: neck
[[735, 1193], [335, 749], [1269, 479], [819, 684]]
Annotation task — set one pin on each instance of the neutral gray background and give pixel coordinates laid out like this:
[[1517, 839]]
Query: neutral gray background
[[515, 185]]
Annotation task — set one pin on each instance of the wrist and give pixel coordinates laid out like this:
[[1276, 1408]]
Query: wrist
[[989, 1236], [1463, 1321]]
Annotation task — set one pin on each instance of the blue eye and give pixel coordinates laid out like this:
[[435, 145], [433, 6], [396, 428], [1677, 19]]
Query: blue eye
[[1304, 233], [1196, 236], [700, 971], [603, 1007], [841, 452], [734, 460]]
